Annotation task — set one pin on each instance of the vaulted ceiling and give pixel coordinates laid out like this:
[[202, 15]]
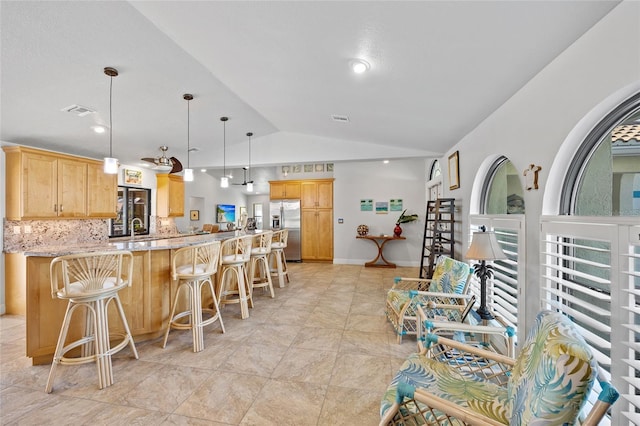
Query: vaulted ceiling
[[279, 69]]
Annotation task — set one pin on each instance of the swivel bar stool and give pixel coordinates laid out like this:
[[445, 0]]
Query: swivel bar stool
[[193, 268], [277, 259], [259, 272], [233, 283], [91, 280]]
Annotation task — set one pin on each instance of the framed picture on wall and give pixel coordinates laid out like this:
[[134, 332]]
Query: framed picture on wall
[[454, 171], [194, 214]]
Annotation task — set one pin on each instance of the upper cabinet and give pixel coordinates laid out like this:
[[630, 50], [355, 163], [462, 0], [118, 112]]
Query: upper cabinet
[[169, 195], [46, 185], [102, 195], [284, 190], [317, 194]]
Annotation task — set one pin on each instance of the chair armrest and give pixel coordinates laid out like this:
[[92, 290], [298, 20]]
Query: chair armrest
[[428, 325], [484, 363], [405, 283], [450, 409]]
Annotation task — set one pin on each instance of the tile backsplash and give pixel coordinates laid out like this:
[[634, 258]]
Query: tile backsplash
[[23, 235]]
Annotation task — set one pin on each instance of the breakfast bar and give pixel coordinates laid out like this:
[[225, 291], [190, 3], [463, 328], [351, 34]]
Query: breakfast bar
[[146, 303]]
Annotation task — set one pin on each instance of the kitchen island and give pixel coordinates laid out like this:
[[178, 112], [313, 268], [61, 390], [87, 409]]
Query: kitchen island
[[146, 303]]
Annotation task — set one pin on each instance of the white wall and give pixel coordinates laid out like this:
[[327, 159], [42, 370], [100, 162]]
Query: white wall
[[3, 305], [354, 181], [531, 126], [208, 188]]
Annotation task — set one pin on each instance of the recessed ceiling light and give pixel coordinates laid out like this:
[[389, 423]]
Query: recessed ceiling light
[[359, 66], [203, 170], [386, 161], [99, 129]]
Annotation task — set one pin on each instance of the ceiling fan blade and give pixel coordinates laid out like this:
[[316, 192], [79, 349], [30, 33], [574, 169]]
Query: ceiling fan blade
[[151, 160], [176, 165]]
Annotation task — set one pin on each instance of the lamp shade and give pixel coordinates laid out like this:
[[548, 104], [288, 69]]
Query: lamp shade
[[224, 182], [485, 246], [110, 165], [250, 186]]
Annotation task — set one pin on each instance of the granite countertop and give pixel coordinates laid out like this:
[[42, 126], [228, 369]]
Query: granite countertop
[[137, 244]]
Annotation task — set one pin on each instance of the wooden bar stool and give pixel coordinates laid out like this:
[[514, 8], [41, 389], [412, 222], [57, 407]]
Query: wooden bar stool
[[277, 259], [91, 280], [260, 274], [233, 284], [193, 267]]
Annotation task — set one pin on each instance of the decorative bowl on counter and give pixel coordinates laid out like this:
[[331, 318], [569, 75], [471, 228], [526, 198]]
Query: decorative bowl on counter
[[363, 230]]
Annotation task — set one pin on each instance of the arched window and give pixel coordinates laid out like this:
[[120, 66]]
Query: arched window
[[502, 192], [592, 262], [435, 170], [604, 178], [502, 211]]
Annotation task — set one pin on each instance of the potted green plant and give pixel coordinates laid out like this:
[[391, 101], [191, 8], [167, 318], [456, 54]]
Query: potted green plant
[[403, 218]]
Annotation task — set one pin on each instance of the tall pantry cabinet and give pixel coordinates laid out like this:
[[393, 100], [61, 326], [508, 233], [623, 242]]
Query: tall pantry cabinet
[[316, 234]]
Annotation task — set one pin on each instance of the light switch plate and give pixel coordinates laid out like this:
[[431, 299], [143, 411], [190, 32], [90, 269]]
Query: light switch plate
[[340, 220]]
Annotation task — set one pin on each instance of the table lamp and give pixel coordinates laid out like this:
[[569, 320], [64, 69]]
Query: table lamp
[[484, 246]]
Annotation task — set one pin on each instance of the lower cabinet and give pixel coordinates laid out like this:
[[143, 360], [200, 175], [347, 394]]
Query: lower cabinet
[[146, 303], [317, 234]]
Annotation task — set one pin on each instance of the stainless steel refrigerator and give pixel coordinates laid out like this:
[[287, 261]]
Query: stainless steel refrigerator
[[285, 214]]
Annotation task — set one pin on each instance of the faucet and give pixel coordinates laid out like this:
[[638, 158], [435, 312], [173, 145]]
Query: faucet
[[133, 232]]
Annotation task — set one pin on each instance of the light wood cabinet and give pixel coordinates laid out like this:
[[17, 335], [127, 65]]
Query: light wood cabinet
[[102, 192], [283, 190], [170, 195], [317, 234], [317, 194], [146, 303], [47, 185]]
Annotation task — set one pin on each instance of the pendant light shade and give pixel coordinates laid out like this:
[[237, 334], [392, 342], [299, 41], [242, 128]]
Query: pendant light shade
[[224, 180], [188, 172], [250, 182], [110, 163]]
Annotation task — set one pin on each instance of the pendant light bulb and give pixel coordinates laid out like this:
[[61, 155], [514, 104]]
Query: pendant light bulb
[[224, 180], [188, 172], [110, 163], [250, 186]]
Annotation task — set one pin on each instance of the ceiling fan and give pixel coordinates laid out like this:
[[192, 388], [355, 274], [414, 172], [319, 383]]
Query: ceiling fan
[[244, 170], [164, 164]]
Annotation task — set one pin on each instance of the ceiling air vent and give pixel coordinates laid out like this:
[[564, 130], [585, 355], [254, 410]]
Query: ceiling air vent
[[78, 110], [340, 118]]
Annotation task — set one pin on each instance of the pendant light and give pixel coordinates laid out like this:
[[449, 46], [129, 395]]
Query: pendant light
[[224, 180], [250, 182], [188, 172], [110, 163]]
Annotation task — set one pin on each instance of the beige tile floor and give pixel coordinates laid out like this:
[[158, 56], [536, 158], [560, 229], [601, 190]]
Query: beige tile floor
[[320, 353]]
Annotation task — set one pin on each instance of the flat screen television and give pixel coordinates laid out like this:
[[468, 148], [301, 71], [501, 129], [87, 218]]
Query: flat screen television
[[226, 213]]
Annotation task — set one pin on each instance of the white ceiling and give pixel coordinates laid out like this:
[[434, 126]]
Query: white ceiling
[[278, 69]]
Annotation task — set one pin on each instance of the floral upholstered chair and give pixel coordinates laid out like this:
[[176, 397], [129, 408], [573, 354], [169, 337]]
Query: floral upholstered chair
[[548, 383], [444, 296]]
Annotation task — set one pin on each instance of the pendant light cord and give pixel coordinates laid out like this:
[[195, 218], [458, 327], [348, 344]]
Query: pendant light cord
[[110, 117], [188, 134]]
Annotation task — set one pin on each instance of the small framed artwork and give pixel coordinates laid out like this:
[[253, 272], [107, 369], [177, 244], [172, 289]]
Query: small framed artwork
[[319, 167], [308, 168], [286, 170], [382, 207], [329, 167], [454, 171], [132, 177], [194, 214], [366, 205], [297, 168], [395, 205]]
